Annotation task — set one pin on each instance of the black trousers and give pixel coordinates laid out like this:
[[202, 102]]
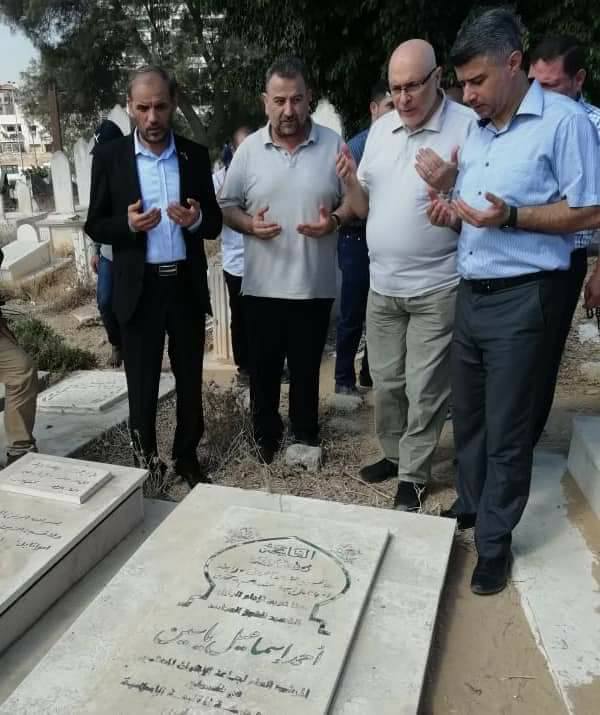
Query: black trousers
[[572, 284], [278, 328], [165, 308], [239, 338], [497, 352]]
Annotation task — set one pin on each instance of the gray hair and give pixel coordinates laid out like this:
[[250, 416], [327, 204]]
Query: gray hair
[[495, 33], [288, 67], [152, 69]]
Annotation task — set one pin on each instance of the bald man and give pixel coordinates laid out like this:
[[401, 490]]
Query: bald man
[[410, 309]]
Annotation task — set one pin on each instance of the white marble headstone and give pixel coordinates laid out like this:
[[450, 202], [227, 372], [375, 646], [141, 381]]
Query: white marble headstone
[[84, 392], [261, 622], [83, 170], [27, 233], [62, 186], [23, 196], [327, 115], [121, 118], [41, 475]]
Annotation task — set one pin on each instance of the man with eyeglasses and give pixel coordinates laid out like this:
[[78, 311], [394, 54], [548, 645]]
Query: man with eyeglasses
[[410, 309]]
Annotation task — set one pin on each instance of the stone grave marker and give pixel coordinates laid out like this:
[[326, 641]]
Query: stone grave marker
[[46, 544], [23, 196], [280, 605], [41, 475], [120, 117], [83, 170], [62, 186], [263, 625], [85, 392], [25, 255]]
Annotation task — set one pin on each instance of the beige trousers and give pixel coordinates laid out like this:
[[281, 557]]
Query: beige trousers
[[409, 357], [19, 375]]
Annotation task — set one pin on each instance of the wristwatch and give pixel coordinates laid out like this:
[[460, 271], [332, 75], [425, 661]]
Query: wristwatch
[[511, 221], [337, 220]]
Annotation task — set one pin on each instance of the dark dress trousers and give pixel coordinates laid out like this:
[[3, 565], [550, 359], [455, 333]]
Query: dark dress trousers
[[151, 301]]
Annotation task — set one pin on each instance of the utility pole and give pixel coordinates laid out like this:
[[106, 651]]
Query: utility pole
[[57, 143]]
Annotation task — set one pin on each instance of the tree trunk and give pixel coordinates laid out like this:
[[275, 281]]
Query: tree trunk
[[198, 129]]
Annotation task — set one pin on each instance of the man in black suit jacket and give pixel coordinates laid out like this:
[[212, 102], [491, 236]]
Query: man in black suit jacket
[[152, 199]]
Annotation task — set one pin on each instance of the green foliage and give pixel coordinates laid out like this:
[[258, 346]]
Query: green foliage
[[47, 348], [219, 49]]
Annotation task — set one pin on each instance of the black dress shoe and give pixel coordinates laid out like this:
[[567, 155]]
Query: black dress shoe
[[464, 520], [364, 380], [379, 472], [116, 356], [266, 453], [491, 575], [191, 471], [409, 496]]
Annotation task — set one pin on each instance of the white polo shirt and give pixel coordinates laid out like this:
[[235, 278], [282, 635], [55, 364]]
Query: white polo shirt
[[294, 185], [408, 256]]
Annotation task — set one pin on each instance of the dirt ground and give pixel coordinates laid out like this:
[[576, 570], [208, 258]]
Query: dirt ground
[[484, 657]]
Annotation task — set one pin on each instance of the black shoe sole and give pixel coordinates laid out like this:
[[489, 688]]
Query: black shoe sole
[[488, 592], [463, 521], [377, 479]]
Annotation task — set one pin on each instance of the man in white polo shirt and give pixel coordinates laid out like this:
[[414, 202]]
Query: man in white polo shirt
[[410, 310], [280, 191]]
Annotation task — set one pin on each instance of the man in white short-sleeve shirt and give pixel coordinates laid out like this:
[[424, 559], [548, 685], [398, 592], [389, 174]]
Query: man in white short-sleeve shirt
[[232, 249], [280, 192], [410, 310]]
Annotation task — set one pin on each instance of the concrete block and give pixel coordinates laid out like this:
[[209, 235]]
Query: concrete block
[[584, 458], [301, 455]]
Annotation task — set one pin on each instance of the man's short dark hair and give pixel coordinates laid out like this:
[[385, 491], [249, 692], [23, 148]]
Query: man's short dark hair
[[380, 90], [288, 67], [153, 69], [567, 47], [495, 33]]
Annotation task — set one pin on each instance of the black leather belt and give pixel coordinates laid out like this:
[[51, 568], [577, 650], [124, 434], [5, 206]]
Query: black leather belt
[[490, 285], [165, 270]]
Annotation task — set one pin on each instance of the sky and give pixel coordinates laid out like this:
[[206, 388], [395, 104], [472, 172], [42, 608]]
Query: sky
[[16, 51]]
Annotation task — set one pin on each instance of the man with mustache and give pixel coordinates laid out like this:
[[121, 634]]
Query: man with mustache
[[280, 192], [152, 199]]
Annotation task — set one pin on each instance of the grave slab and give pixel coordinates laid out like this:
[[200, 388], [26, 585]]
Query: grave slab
[[64, 433], [584, 458], [85, 391], [24, 256], [141, 664], [49, 477], [46, 545], [556, 552]]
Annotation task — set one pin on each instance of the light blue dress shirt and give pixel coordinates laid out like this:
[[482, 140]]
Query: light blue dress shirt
[[546, 153], [159, 183]]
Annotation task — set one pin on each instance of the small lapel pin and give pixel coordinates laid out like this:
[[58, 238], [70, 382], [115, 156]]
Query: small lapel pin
[[184, 155]]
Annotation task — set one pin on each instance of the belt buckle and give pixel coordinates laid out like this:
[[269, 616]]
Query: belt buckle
[[167, 269]]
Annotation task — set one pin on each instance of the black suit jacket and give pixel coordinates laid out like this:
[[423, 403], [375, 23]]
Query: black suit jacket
[[116, 185]]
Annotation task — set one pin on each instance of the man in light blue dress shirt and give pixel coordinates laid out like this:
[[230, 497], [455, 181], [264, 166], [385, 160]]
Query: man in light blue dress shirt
[[153, 200], [527, 180], [558, 63]]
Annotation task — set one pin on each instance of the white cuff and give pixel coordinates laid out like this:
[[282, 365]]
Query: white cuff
[[196, 225]]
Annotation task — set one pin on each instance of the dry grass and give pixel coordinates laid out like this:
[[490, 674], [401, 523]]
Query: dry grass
[[228, 454], [8, 233]]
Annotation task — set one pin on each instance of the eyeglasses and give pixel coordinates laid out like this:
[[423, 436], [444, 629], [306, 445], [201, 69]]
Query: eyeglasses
[[412, 87]]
